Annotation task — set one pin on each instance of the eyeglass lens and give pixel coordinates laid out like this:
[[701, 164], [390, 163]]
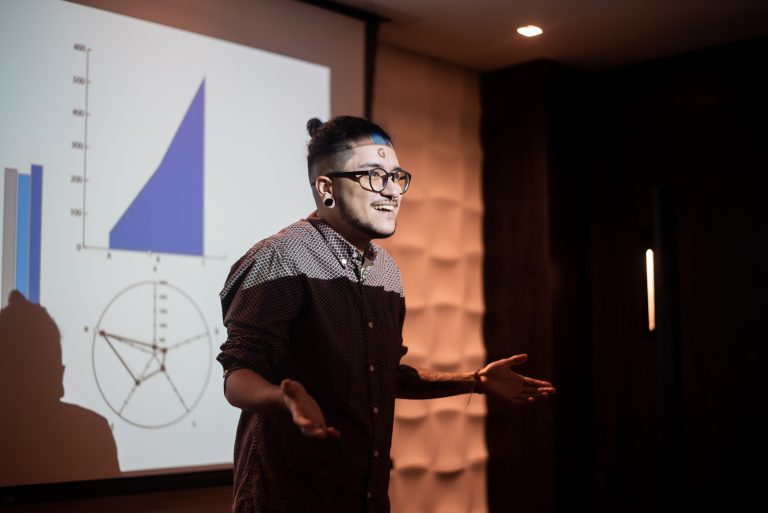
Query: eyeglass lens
[[379, 179]]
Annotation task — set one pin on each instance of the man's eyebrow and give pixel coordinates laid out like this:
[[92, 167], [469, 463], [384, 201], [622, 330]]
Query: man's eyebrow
[[380, 165]]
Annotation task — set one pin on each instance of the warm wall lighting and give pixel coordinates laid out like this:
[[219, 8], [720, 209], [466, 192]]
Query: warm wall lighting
[[529, 31], [651, 290]]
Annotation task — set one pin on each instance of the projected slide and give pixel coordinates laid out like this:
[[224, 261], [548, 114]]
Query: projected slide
[[139, 162]]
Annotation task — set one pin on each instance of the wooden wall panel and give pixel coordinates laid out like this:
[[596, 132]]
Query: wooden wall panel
[[433, 112]]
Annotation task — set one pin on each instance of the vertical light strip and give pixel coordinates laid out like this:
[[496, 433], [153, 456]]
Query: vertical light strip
[[651, 290]]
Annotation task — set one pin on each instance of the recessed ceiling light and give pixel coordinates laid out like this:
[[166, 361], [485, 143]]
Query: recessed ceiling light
[[529, 31]]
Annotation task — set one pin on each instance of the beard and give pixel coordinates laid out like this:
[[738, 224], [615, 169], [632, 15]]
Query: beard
[[364, 227]]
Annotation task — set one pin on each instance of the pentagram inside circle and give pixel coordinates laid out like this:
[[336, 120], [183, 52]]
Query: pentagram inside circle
[[152, 354]]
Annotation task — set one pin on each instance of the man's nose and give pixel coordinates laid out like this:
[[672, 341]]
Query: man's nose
[[392, 190]]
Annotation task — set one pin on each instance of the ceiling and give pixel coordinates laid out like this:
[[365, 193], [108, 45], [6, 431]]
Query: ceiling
[[588, 34]]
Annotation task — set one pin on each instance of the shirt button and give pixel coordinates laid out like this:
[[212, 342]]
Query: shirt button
[[375, 409], [369, 495], [343, 261], [375, 454], [371, 368], [370, 324]]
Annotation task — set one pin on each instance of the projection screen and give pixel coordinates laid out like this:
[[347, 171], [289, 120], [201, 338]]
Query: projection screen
[[140, 159]]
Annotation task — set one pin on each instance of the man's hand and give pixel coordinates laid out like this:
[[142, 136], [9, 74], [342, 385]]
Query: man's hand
[[499, 380], [305, 411]]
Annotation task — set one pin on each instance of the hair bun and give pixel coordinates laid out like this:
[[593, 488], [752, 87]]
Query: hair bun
[[312, 126]]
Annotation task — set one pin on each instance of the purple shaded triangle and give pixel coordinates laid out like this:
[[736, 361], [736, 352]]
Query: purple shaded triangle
[[167, 214]]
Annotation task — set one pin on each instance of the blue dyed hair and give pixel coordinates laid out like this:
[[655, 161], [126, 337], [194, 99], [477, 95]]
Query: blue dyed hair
[[338, 135]]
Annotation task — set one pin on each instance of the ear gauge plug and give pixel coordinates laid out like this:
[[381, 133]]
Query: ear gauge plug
[[329, 202]]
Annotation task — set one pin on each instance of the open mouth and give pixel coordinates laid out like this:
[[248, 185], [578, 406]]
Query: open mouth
[[385, 206]]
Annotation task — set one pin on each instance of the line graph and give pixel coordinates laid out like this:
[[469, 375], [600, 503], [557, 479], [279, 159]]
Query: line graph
[[166, 216]]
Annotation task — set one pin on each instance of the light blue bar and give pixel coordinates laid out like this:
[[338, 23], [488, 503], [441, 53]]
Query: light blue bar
[[35, 226], [22, 236]]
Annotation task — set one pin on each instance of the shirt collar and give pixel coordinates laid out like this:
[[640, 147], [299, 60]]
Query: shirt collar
[[344, 251]]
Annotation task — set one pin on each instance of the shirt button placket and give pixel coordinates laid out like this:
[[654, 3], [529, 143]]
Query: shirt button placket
[[374, 395]]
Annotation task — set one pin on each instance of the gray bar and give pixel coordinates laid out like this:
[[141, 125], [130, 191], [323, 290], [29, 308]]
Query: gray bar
[[10, 198]]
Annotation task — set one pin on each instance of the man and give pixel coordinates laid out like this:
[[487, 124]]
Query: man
[[314, 316]]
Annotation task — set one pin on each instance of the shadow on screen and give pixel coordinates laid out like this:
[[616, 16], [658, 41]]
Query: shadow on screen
[[44, 440]]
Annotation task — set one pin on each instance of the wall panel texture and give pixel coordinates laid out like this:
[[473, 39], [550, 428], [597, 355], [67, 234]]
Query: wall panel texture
[[432, 111]]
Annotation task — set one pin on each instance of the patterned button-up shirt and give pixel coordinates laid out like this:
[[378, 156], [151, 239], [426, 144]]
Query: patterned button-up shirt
[[305, 304]]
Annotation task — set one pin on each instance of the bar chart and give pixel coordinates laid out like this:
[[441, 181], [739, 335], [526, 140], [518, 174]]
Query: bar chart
[[22, 228]]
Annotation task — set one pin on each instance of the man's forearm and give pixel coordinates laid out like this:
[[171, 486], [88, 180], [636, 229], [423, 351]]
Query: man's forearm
[[417, 383], [249, 391]]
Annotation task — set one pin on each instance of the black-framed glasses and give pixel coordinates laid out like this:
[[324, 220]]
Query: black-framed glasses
[[378, 178]]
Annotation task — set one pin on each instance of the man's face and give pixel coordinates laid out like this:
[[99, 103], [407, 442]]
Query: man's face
[[365, 213]]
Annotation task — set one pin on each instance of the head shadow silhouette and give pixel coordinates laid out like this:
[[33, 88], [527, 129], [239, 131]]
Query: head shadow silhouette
[[44, 440]]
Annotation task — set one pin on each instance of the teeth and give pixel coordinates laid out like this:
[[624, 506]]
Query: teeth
[[385, 207]]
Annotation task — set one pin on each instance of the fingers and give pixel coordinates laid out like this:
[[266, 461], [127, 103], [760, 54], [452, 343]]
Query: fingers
[[535, 382], [500, 379], [304, 422], [320, 432], [529, 394], [315, 431], [290, 388], [536, 390], [515, 359], [305, 412]]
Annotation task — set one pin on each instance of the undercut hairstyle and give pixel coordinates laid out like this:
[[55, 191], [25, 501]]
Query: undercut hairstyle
[[337, 136]]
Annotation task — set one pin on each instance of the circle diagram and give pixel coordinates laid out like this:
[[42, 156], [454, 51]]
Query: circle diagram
[[152, 354]]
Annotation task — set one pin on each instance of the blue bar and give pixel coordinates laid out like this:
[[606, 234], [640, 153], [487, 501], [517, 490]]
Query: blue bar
[[22, 237], [35, 226]]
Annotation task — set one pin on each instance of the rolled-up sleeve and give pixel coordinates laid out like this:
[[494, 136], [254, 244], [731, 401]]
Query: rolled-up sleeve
[[260, 299]]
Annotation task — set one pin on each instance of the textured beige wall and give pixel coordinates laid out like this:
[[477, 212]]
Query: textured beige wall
[[432, 110]]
